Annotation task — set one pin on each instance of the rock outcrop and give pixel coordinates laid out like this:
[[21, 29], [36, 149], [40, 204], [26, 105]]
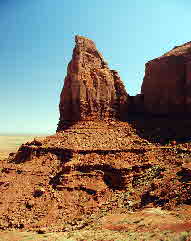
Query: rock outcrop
[[73, 179], [91, 90], [120, 176], [167, 82]]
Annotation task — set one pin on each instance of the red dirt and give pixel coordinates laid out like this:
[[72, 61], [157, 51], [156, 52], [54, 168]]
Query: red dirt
[[73, 179]]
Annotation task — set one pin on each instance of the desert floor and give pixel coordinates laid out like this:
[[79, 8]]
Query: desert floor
[[11, 144]]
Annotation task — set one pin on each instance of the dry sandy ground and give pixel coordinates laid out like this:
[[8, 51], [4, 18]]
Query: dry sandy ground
[[11, 144]]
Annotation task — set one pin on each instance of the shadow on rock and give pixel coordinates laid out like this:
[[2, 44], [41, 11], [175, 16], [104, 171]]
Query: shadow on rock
[[162, 129]]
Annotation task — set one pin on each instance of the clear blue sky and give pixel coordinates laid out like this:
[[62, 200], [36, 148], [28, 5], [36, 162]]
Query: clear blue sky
[[37, 39]]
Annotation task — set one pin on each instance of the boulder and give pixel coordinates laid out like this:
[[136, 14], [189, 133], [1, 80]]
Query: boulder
[[91, 90], [167, 82]]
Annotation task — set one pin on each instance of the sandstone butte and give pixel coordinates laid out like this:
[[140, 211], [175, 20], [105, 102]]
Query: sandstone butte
[[91, 90], [99, 172], [167, 83]]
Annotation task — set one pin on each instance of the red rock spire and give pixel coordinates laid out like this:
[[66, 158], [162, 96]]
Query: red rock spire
[[91, 90]]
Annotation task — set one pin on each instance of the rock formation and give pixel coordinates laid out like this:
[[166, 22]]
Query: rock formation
[[91, 90], [107, 175], [167, 82]]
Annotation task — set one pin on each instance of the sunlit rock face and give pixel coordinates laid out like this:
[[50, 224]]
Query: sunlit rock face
[[167, 82], [91, 90]]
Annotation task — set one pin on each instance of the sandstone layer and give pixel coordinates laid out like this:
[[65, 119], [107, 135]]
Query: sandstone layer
[[91, 90], [167, 82], [93, 174]]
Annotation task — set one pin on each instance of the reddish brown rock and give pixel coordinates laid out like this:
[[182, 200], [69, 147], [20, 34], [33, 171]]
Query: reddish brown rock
[[91, 90], [136, 104], [167, 82]]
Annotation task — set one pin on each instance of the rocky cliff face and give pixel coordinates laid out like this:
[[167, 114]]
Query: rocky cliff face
[[107, 175], [167, 82], [91, 90]]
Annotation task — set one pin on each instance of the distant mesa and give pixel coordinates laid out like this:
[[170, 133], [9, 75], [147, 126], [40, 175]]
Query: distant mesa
[[91, 90]]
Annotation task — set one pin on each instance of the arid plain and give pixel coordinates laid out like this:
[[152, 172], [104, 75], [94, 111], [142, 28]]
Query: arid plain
[[10, 143]]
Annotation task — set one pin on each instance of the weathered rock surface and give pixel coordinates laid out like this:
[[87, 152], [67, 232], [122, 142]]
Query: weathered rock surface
[[167, 82], [93, 174], [91, 90], [107, 175]]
